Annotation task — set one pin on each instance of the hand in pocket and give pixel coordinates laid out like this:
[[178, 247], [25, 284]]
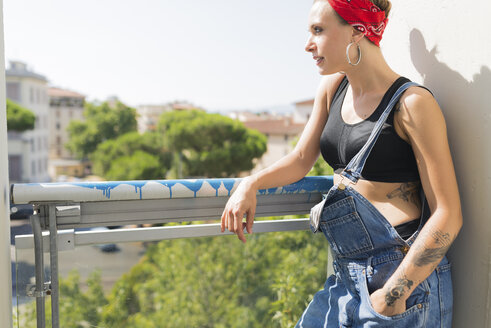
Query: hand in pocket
[[386, 307]]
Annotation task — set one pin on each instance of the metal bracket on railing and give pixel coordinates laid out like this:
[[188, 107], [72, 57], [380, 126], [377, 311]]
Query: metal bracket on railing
[[32, 292]]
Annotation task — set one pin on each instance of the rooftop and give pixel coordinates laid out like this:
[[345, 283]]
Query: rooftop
[[305, 102], [54, 92], [20, 69]]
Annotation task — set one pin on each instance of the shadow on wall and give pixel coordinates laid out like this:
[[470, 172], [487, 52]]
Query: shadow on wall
[[466, 108], [468, 116]]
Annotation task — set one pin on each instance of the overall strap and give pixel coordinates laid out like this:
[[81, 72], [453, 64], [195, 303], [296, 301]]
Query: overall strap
[[355, 166]]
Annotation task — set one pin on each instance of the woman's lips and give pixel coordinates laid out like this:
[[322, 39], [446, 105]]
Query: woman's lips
[[319, 60]]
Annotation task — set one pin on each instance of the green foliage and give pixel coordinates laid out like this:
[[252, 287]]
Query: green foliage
[[19, 118], [78, 309], [220, 282], [193, 143], [102, 123], [138, 166], [321, 168], [204, 282], [211, 145], [132, 157]]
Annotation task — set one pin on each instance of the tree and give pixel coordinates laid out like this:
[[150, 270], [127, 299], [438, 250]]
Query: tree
[[78, 309], [320, 168], [203, 282], [220, 282], [103, 122], [19, 118], [132, 157], [211, 145]]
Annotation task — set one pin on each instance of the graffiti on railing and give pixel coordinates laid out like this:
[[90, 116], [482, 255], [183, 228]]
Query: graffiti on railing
[[151, 189]]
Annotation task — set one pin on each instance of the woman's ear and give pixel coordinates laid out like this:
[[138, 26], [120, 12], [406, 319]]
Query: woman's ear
[[357, 35]]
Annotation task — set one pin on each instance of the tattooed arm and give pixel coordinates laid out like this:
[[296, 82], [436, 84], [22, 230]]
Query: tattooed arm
[[422, 121]]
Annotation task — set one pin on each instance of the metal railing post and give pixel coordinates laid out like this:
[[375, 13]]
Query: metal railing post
[[39, 292], [53, 261]]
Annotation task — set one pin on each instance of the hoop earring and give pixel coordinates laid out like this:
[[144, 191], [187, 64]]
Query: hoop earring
[[359, 53]]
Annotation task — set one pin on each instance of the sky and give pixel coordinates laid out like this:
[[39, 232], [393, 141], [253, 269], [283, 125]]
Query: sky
[[217, 54]]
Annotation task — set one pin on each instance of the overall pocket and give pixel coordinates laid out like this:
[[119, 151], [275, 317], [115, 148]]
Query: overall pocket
[[416, 305], [344, 228]]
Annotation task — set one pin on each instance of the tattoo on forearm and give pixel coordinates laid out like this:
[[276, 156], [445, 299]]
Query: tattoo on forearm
[[407, 192], [397, 291], [442, 238], [426, 255]]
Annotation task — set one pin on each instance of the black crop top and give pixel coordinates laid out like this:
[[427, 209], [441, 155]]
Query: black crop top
[[391, 159]]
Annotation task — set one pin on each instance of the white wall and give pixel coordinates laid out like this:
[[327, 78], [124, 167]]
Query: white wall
[[5, 273], [445, 45]]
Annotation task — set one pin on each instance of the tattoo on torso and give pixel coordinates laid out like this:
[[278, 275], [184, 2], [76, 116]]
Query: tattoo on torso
[[409, 192]]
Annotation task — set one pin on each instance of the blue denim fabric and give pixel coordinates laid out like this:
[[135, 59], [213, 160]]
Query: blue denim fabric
[[367, 250]]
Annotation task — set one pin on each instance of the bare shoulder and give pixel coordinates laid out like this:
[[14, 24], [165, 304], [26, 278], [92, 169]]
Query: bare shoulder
[[418, 108]]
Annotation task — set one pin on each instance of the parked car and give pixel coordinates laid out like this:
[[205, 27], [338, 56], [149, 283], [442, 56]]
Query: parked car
[[21, 211]]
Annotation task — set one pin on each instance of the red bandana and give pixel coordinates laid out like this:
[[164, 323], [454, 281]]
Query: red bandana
[[362, 15]]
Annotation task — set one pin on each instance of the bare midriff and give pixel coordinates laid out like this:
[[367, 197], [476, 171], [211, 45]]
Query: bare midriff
[[397, 202]]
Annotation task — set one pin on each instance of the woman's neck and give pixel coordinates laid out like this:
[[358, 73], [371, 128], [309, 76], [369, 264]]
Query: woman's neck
[[372, 75]]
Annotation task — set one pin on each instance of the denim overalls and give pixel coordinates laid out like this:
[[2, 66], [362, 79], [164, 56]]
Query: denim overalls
[[367, 250]]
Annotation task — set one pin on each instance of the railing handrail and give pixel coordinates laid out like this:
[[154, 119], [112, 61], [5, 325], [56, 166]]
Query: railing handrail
[[78, 192]]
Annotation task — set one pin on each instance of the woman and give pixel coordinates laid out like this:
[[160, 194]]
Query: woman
[[389, 252]]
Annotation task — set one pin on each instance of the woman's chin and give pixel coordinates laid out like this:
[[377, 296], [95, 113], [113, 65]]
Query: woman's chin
[[324, 71]]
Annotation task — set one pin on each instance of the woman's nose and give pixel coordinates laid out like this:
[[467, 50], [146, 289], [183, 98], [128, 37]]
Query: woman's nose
[[309, 47]]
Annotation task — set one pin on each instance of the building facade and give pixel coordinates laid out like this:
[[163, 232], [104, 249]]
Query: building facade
[[64, 107], [149, 115], [281, 131], [28, 151], [303, 110]]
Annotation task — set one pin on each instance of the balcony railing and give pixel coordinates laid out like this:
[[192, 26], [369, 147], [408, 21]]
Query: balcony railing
[[60, 208]]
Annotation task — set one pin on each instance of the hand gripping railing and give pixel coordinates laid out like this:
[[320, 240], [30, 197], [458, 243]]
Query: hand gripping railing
[[62, 207]]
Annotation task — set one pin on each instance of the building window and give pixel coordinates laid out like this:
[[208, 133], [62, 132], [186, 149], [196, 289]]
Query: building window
[[286, 137], [31, 95], [15, 168], [33, 146], [13, 91], [57, 125], [33, 168], [40, 146]]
